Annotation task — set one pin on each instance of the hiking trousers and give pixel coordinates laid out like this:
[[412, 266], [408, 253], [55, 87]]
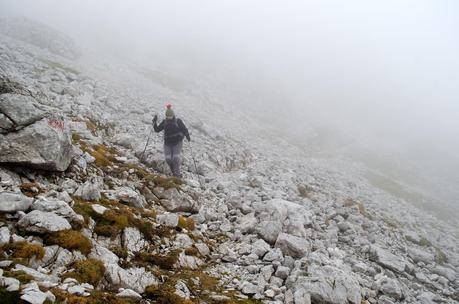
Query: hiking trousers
[[173, 157]]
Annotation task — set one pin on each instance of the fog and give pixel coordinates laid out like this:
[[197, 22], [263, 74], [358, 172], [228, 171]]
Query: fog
[[376, 81]]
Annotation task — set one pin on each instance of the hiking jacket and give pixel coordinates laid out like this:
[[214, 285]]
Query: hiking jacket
[[174, 131]]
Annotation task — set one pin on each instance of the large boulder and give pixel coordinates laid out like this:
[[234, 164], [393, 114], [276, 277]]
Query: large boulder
[[269, 231], [419, 255], [133, 278], [293, 246], [11, 202], [18, 111], [386, 259], [389, 287], [91, 189], [57, 206], [329, 285], [133, 240], [46, 144], [293, 217], [174, 201], [43, 222], [131, 197]]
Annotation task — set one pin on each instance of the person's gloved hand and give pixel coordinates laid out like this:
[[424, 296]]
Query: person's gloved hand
[[155, 119], [188, 138]]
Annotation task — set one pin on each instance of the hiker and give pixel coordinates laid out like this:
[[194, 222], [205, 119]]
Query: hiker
[[174, 132]]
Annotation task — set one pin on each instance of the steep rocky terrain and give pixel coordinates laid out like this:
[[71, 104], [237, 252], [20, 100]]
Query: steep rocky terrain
[[87, 217]]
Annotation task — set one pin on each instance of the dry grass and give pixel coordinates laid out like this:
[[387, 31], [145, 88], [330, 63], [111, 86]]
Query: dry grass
[[31, 189], [186, 223], [87, 271], [304, 190], [71, 240], [24, 250], [165, 262]]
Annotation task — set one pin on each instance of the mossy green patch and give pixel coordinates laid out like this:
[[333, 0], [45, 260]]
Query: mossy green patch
[[23, 277], [87, 271], [9, 297], [58, 65], [95, 297]]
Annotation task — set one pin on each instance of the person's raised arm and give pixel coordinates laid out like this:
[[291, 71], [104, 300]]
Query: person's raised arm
[[156, 127]]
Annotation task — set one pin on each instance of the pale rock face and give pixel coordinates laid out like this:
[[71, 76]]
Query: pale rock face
[[19, 111], [419, 255], [169, 219], [136, 279], [247, 223], [328, 284], [446, 272], [4, 235], [38, 276], [56, 206], [128, 293], [390, 287], [269, 231], [203, 249], [301, 297], [386, 259], [11, 202], [133, 240], [282, 272], [106, 256], [182, 290], [189, 261], [183, 241], [43, 222], [124, 140], [45, 144], [260, 248], [129, 196], [174, 201], [91, 189], [99, 209], [293, 246]]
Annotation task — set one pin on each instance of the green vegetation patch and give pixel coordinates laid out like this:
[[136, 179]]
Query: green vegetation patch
[[87, 271], [20, 275], [96, 297], [58, 65], [9, 297]]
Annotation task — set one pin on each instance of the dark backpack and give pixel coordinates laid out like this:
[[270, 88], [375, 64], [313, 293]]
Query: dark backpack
[[172, 131]]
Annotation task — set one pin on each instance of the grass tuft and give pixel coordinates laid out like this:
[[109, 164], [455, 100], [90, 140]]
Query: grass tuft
[[165, 262], [24, 250], [71, 240], [186, 223], [87, 271]]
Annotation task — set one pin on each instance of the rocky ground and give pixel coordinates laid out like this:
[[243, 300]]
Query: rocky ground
[[87, 217]]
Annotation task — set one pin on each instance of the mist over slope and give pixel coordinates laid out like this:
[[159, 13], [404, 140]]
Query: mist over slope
[[289, 216]]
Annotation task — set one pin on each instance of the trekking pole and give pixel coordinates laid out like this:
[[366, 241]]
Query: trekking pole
[[145, 149], [195, 166]]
